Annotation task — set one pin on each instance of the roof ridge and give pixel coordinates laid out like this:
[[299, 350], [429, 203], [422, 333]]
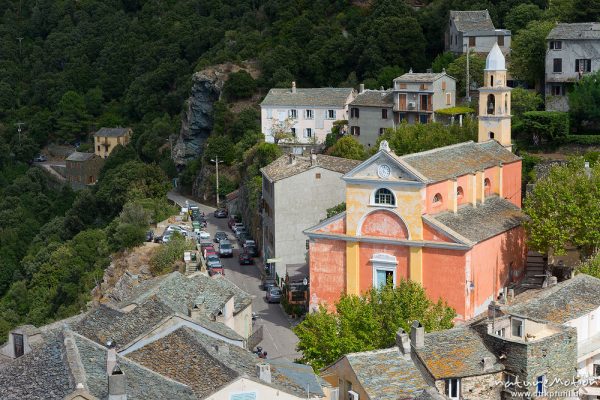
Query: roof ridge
[[73, 358], [376, 351], [437, 149]]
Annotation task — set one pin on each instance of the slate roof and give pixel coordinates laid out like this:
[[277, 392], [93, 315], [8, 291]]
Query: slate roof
[[466, 21], [314, 97], [419, 77], [281, 168], [374, 98], [455, 353], [180, 293], [193, 358], [78, 156], [486, 220], [112, 132], [384, 374], [561, 303], [459, 159], [586, 30]]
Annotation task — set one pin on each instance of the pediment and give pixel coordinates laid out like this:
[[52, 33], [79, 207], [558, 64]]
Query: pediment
[[377, 167]]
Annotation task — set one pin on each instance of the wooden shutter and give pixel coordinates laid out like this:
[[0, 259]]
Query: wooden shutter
[[402, 105]]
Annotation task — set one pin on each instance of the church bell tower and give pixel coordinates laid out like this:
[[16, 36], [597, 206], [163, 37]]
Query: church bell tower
[[494, 101]]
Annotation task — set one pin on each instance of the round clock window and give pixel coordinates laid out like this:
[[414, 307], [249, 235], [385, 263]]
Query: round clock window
[[384, 171]]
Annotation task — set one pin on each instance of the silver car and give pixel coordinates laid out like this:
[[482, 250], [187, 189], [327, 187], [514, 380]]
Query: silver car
[[225, 248]]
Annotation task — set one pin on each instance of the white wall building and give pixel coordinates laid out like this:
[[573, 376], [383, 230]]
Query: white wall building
[[475, 30], [306, 114]]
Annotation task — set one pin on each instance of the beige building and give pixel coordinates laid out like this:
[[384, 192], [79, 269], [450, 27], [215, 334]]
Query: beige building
[[106, 139]]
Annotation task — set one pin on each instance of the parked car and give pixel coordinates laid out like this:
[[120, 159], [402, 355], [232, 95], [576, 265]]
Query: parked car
[[204, 235], [225, 248], [40, 158], [203, 243], [209, 251], [221, 236], [241, 232], [149, 236], [249, 243], [216, 271], [274, 295], [166, 237], [233, 219], [237, 226], [245, 258], [242, 238], [252, 250], [212, 260], [158, 239], [268, 282], [220, 213]]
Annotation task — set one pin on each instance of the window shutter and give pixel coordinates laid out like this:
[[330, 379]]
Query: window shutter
[[443, 85]]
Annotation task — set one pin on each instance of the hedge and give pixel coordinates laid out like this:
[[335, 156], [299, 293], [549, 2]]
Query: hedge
[[581, 139], [547, 125], [455, 111]]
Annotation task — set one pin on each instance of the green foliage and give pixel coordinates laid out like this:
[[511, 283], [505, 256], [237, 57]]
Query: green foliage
[[528, 163], [158, 208], [523, 100], [368, 322], [220, 146], [455, 110], [347, 147], [239, 85], [335, 210], [528, 51], [546, 125], [163, 261], [590, 266], [458, 67], [386, 76], [71, 116], [586, 140], [442, 61], [519, 16], [406, 139], [584, 99], [564, 210]]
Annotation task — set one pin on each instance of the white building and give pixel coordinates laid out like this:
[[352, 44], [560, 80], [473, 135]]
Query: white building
[[475, 30], [307, 115]]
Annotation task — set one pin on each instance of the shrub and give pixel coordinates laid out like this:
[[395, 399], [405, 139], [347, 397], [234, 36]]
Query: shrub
[[586, 140], [545, 125], [240, 85], [163, 260]]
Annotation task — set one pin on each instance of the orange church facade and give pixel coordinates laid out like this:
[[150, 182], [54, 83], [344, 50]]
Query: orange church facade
[[448, 218]]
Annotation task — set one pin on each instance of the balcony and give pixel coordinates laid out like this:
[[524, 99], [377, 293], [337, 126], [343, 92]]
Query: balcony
[[413, 107]]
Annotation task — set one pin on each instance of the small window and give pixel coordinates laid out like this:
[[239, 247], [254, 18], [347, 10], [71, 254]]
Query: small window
[[384, 196], [354, 112], [459, 192], [437, 199], [516, 327], [486, 182], [330, 114], [18, 345], [540, 387], [501, 40], [424, 86], [293, 114], [98, 148], [557, 90], [443, 85], [309, 114], [471, 41], [596, 369], [402, 117], [583, 65], [293, 130], [381, 131], [384, 113], [501, 332], [557, 65], [423, 118], [448, 99], [490, 135], [318, 175], [269, 113], [491, 80], [402, 86], [308, 132], [453, 388], [555, 45], [355, 130]]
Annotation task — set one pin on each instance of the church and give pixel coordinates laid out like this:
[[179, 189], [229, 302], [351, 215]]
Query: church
[[448, 218]]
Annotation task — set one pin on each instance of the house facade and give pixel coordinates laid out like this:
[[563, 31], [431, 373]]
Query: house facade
[[83, 169], [296, 193], [475, 31], [448, 218], [418, 95], [303, 115], [573, 51], [371, 113], [106, 139]]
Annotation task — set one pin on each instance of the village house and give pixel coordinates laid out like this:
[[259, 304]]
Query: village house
[[573, 51], [371, 113], [106, 139], [448, 218], [475, 31], [296, 193], [305, 114], [83, 169]]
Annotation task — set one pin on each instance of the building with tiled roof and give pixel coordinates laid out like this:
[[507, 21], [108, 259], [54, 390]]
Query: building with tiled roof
[[448, 218], [83, 169], [107, 139], [296, 193], [475, 30], [303, 115]]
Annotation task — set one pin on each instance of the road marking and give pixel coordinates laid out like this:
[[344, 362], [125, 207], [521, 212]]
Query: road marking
[[272, 339]]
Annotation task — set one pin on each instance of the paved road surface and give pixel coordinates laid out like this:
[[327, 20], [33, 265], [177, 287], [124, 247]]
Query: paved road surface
[[278, 339]]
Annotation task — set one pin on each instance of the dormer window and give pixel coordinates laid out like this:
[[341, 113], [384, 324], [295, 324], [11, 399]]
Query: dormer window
[[385, 197]]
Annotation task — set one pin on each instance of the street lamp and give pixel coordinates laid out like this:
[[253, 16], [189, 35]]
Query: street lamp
[[216, 161]]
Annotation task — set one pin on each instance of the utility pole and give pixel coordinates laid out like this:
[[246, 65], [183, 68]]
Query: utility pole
[[468, 78], [216, 161], [19, 129]]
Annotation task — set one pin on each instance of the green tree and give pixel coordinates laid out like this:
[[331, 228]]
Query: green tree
[[519, 16], [386, 76], [458, 68], [584, 99], [523, 100], [591, 266], [368, 322], [239, 85], [71, 116], [564, 210], [528, 54], [347, 147], [442, 61], [335, 210]]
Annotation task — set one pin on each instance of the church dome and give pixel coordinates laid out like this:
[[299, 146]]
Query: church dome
[[495, 60]]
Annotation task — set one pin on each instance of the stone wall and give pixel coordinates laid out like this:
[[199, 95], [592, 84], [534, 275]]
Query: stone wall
[[480, 387]]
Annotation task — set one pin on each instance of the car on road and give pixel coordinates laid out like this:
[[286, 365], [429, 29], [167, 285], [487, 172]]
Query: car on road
[[232, 221], [249, 243], [242, 235], [40, 158], [220, 236], [216, 271], [268, 282], [166, 237], [209, 251], [212, 260], [245, 258], [252, 250], [236, 227], [204, 235], [220, 213], [225, 248], [274, 295]]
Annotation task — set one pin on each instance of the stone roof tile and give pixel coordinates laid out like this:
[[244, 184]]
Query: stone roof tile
[[112, 132], [466, 21], [77, 156], [419, 77], [374, 98], [282, 168], [584, 31], [312, 97]]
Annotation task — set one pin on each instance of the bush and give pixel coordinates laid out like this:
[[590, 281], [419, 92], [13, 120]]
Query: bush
[[163, 260], [545, 125], [240, 85], [586, 140]]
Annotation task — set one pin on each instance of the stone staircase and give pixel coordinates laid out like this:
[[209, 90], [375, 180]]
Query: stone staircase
[[535, 270]]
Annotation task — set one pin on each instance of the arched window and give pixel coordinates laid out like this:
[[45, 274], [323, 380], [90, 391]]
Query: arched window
[[385, 197], [490, 135], [437, 199], [506, 104], [486, 182], [459, 192], [487, 187], [491, 104]]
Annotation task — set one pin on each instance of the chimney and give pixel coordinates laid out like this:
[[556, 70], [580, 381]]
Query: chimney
[[291, 159], [198, 308], [417, 335], [117, 389], [293, 86], [263, 370], [111, 357], [494, 310], [361, 88], [313, 158], [403, 343], [487, 363], [222, 349]]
